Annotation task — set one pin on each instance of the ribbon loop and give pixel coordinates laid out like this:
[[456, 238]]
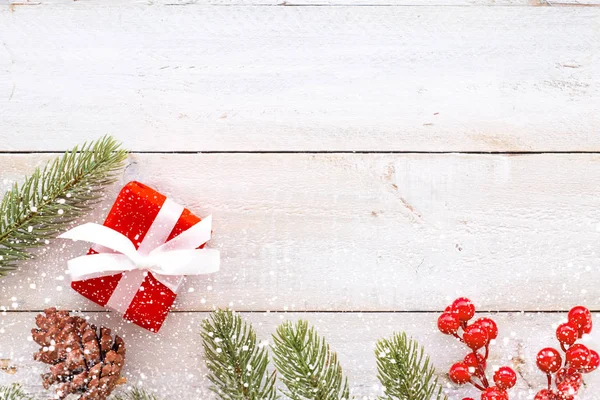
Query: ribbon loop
[[102, 235]]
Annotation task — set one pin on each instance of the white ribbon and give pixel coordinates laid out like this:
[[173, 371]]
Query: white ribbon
[[167, 262]]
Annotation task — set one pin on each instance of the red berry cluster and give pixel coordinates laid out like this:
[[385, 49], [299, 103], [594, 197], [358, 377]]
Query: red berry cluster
[[578, 358], [476, 336]]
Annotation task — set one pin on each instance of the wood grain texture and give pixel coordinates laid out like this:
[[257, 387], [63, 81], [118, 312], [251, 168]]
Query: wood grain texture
[[367, 232], [294, 3], [171, 361], [193, 78]]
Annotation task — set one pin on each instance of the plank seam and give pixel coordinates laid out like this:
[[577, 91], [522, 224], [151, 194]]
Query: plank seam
[[318, 311], [286, 4], [25, 152]]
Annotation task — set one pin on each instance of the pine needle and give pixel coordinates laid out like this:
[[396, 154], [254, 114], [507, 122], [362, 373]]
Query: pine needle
[[53, 197], [306, 364], [136, 394], [13, 392], [236, 361], [404, 370]]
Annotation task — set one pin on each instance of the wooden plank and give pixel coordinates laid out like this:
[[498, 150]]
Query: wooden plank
[[292, 3], [370, 232], [300, 78], [171, 362]]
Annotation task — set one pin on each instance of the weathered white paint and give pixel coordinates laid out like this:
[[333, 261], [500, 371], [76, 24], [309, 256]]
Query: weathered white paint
[[374, 232], [420, 78], [294, 3], [326, 232], [282, 3], [171, 362]]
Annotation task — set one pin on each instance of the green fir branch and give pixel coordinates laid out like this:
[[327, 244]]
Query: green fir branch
[[13, 392], [236, 361], [404, 370], [306, 364], [136, 394], [53, 197]]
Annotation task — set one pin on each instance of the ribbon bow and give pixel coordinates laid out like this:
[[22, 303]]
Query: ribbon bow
[[177, 257]]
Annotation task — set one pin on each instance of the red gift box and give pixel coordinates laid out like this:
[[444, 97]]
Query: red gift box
[[133, 214]]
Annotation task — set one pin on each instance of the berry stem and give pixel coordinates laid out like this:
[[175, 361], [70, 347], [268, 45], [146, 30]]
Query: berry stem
[[549, 381], [476, 385], [562, 346], [456, 335], [484, 380], [487, 351]]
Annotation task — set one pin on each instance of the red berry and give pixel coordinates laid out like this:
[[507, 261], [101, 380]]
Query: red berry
[[494, 393], [578, 356], [544, 394], [568, 389], [448, 323], [593, 363], [587, 328], [567, 333], [563, 373], [471, 362], [475, 337], [463, 308], [549, 360], [459, 373], [489, 325], [505, 378], [574, 379], [580, 317]]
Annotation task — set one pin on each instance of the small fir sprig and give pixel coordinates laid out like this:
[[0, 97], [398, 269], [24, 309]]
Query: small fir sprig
[[236, 361], [49, 200], [404, 370], [136, 394], [13, 392], [306, 364]]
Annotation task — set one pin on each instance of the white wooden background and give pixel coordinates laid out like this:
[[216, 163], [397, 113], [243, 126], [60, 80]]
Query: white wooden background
[[366, 161]]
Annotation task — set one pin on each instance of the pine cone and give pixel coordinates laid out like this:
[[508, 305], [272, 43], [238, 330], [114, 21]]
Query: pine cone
[[83, 361]]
